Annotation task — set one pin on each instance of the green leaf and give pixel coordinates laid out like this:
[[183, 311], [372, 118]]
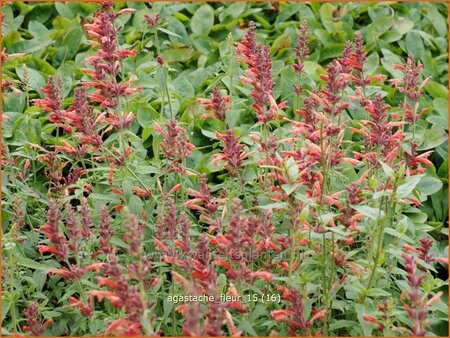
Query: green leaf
[[340, 324], [6, 305], [119, 242], [178, 55], [406, 188], [281, 42], [292, 170], [202, 20], [366, 326], [29, 263], [289, 188], [436, 19], [414, 44], [72, 40], [372, 63], [38, 30], [381, 26], [146, 115], [135, 205], [433, 137], [436, 90], [64, 10], [370, 212], [168, 306], [30, 46], [326, 16], [403, 26], [331, 51], [281, 205], [35, 80], [41, 13], [388, 171], [429, 185], [247, 327], [441, 108], [389, 60], [168, 32], [375, 292]]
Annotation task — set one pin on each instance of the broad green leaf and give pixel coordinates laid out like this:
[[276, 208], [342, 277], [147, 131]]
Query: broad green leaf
[[29, 263], [38, 30], [135, 204], [403, 26], [370, 212], [436, 19], [326, 16], [436, 90], [433, 137], [64, 10], [202, 20], [72, 40], [34, 78], [146, 115], [372, 63], [429, 185], [406, 188], [414, 44]]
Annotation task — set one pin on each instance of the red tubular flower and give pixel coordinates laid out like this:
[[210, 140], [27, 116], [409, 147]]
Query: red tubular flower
[[82, 117], [360, 56], [85, 219], [122, 294], [346, 60], [266, 230], [175, 145], [202, 197], [417, 306], [236, 237], [34, 325], [335, 83], [301, 52], [106, 65], [166, 224], [85, 309], [133, 233], [413, 160], [267, 276], [379, 132], [153, 21], [259, 75], [54, 234], [52, 102], [248, 45], [369, 318], [409, 85], [232, 152], [296, 322], [218, 104]]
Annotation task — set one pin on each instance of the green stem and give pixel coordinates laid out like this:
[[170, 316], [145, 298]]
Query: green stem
[[12, 277], [389, 206]]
